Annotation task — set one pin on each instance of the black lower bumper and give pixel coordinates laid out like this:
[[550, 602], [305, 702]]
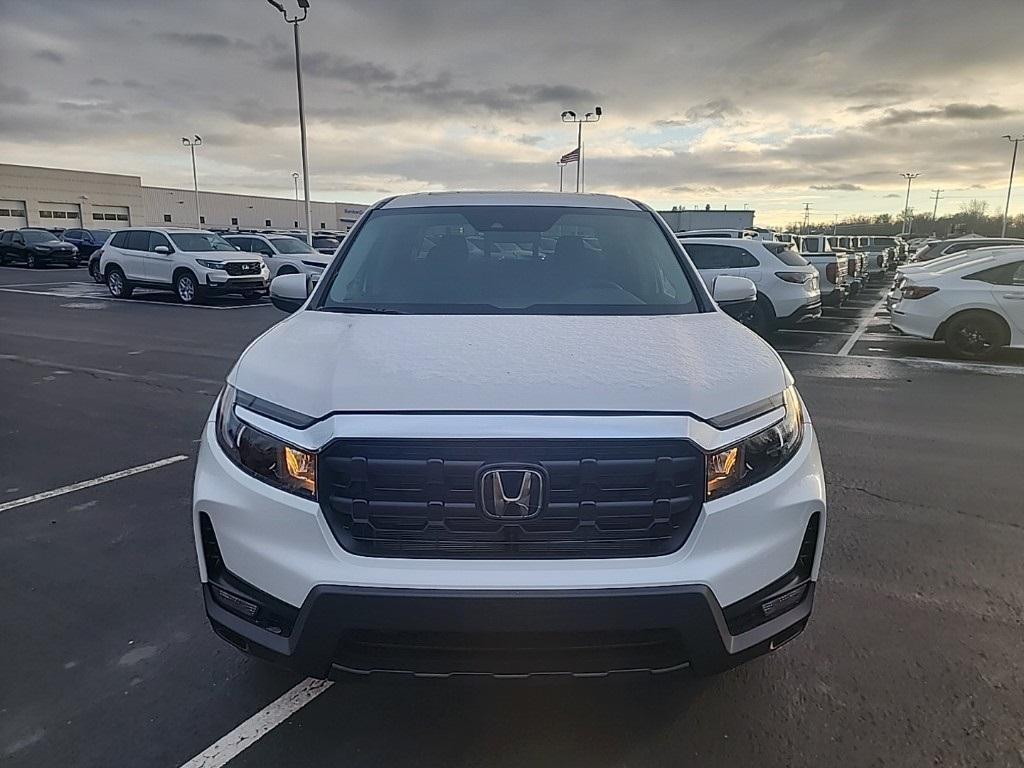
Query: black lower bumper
[[440, 633], [236, 285], [806, 313]]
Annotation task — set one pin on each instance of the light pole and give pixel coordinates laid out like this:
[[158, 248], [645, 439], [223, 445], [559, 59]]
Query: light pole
[[195, 141], [906, 207], [295, 21], [1009, 188], [295, 178], [561, 174], [568, 116]]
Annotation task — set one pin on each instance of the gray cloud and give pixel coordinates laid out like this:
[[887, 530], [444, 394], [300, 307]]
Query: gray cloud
[[843, 186], [47, 54], [957, 111], [204, 41], [14, 94], [99, 82], [338, 67], [892, 194], [716, 109], [527, 140]]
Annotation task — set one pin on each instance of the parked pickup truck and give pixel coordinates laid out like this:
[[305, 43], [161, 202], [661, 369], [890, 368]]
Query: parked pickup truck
[[856, 263], [833, 269]]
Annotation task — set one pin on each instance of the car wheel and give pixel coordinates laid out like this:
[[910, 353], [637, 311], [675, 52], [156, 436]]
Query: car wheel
[[118, 285], [759, 318], [186, 288], [250, 294], [94, 271], [75, 263], [974, 335], [32, 262]]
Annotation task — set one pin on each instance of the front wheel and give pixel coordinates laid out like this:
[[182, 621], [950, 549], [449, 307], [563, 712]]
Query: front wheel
[[974, 336], [186, 288], [75, 263], [32, 262]]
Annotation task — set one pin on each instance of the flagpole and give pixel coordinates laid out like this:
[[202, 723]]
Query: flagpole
[[583, 169]]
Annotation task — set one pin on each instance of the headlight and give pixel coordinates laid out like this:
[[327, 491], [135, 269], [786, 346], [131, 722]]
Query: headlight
[[758, 456], [263, 456], [210, 263]]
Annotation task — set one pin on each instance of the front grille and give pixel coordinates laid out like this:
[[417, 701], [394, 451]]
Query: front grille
[[419, 498], [242, 268]]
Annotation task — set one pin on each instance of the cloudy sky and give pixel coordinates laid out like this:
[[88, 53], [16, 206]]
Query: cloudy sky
[[763, 103]]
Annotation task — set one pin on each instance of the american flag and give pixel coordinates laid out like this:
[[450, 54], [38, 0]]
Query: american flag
[[571, 157]]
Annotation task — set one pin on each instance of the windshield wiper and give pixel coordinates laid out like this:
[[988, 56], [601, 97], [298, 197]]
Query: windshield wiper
[[357, 310]]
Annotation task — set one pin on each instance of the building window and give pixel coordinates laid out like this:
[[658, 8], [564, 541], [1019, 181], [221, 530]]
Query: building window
[[16, 212], [202, 219], [5, 212], [59, 214], [234, 221], [266, 223], [46, 214], [97, 217], [323, 225], [122, 216], [110, 216], [296, 225], [167, 217]]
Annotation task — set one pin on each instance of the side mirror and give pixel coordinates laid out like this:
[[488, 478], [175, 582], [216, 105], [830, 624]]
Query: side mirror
[[728, 289], [289, 292], [162, 249]]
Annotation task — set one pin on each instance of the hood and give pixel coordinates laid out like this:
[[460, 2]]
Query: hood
[[317, 363]]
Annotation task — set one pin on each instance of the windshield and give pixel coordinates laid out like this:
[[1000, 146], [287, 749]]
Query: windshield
[[514, 259], [100, 234], [290, 245], [201, 241], [34, 237], [816, 245], [325, 242]]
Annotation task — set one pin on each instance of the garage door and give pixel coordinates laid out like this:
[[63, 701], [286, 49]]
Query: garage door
[[109, 217], [12, 214], [59, 215]]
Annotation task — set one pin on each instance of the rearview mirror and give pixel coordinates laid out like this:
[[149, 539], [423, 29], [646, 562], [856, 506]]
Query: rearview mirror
[[163, 249], [728, 289], [289, 292]]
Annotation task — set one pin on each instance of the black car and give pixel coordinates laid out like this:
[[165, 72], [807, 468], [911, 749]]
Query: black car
[[325, 244], [86, 240], [36, 248]]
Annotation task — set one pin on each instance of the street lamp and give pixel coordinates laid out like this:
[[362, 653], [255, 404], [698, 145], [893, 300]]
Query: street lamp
[[195, 141], [568, 116], [295, 178], [295, 21], [1009, 187], [906, 207]]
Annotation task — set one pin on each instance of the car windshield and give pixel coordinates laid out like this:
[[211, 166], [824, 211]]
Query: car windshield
[[511, 259], [201, 241], [35, 237], [100, 234], [290, 245], [787, 254], [325, 242]]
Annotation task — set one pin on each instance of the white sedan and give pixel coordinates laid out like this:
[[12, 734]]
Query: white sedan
[[975, 306]]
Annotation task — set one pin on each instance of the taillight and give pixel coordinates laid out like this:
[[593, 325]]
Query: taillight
[[794, 277], [831, 270], [917, 291]]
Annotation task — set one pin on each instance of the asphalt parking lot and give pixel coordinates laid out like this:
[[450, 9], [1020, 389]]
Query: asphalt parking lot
[[913, 656]]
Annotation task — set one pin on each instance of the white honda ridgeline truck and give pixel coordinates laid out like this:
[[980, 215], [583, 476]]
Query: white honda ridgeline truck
[[508, 434]]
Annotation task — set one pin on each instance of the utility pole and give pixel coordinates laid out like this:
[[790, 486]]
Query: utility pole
[[935, 208], [1009, 188], [906, 208], [195, 141], [807, 216], [835, 224]]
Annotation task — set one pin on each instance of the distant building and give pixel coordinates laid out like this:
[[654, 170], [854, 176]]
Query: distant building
[[705, 218], [58, 198]]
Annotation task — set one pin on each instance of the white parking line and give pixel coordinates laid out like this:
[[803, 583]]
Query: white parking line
[[259, 725], [89, 483], [868, 319], [72, 295], [808, 330]]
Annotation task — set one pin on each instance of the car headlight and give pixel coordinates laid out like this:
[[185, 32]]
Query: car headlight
[[264, 456], [756, 457], [210, 263]]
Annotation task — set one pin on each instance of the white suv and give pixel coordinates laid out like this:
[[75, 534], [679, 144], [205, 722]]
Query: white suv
[[787, 285], [283, 254], [193, 263], [453, 461]]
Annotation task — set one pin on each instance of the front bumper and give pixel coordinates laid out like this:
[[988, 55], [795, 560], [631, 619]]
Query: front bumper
[[216, 286], [442, 633]]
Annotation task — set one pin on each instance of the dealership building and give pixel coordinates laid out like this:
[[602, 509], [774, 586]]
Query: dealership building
[[32, 196]]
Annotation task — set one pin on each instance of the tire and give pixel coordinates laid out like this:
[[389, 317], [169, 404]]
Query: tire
[[250, 294], [186, 288], [32, 262], [76, 263], [759, 318], [94, 272], [118, 284], [974, 335]]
